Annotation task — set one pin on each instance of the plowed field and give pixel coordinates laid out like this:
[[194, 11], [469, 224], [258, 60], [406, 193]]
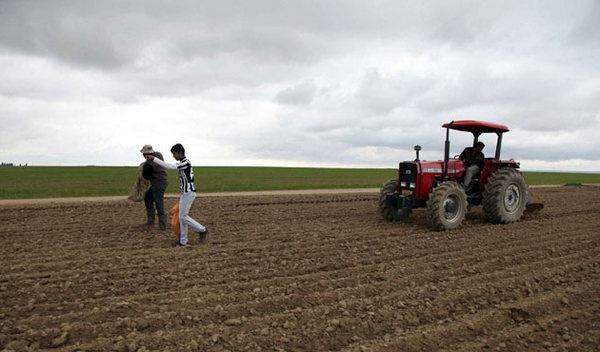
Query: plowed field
[[320, 272]]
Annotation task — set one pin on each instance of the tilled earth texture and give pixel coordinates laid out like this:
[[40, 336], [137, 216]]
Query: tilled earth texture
[[310, 272]]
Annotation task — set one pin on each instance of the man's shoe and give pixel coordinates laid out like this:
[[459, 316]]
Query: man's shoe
[[471, 191], [179, 244], [162, 222], [203, 236], [146, 226]]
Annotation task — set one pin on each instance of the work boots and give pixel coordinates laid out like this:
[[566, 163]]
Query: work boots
[[150, 218], [162, 222]]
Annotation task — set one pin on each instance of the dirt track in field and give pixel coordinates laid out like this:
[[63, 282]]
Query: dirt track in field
[[300, 272]]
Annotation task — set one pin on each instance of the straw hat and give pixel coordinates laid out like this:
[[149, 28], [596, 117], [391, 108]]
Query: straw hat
[[147, 149]]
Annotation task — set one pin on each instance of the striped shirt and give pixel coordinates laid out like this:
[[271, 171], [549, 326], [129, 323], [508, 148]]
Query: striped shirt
[[186, 173]]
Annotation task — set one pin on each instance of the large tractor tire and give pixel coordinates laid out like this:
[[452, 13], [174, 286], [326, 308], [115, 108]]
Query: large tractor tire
[[505, 196], [390, 214], [447, 206]]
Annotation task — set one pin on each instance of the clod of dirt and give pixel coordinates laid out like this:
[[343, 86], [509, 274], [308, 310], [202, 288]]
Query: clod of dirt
[[233, 321]]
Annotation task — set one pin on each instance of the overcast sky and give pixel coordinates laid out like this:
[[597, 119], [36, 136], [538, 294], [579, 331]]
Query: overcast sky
[[297, 83]]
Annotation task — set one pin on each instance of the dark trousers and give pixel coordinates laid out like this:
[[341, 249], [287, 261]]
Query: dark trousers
[[155, 196]]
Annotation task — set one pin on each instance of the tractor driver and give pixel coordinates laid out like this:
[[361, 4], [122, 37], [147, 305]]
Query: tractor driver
[[474, 161]]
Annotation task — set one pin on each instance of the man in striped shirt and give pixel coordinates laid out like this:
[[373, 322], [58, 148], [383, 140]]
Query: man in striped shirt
[[188, 193]]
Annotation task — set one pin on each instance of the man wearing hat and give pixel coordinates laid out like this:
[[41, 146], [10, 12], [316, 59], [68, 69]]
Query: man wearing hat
[[155, 195]]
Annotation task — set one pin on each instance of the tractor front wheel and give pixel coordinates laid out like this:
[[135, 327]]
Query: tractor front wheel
[[447, 206], [505, 196]]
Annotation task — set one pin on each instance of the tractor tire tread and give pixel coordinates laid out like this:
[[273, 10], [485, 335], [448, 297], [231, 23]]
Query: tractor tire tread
[[493, 196]]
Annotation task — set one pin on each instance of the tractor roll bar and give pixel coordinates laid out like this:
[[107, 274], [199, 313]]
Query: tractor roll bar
[[447, 149], [498, 145]]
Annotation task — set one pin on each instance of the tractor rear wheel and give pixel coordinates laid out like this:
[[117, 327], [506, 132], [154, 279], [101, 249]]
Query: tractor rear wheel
[[447, 206], [390, 214], [505, 196]]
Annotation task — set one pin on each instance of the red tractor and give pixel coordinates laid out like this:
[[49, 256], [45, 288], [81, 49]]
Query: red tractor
[[438, 185]]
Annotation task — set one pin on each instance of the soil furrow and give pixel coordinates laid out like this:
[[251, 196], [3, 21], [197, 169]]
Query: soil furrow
[[306, 272]]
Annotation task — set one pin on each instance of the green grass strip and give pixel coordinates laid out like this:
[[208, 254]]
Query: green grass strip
[[55, 182]]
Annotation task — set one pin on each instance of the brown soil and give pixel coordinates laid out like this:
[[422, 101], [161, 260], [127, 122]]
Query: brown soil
[[300, 272]]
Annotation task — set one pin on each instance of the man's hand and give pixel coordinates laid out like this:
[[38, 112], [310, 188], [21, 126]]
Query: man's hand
[[149, 157]]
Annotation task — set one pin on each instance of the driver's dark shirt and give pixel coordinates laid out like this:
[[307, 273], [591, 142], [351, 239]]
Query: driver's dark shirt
[[469, 157]]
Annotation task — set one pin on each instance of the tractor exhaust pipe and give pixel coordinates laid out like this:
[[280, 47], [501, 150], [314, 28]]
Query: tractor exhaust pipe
[[417, 149]]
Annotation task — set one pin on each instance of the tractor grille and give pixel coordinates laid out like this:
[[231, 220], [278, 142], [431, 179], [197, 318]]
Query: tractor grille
[[408, 175]]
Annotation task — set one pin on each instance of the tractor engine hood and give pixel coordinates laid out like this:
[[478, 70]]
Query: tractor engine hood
[[434, 167]]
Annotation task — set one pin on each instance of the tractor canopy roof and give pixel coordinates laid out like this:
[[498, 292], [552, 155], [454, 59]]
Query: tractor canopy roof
[[476, 127]]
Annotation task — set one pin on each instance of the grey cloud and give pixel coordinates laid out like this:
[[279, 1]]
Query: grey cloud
[[340, 76], [85, 34], [381, 95], [587, 31], [262, 45], [113, 34], [301, 94]]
